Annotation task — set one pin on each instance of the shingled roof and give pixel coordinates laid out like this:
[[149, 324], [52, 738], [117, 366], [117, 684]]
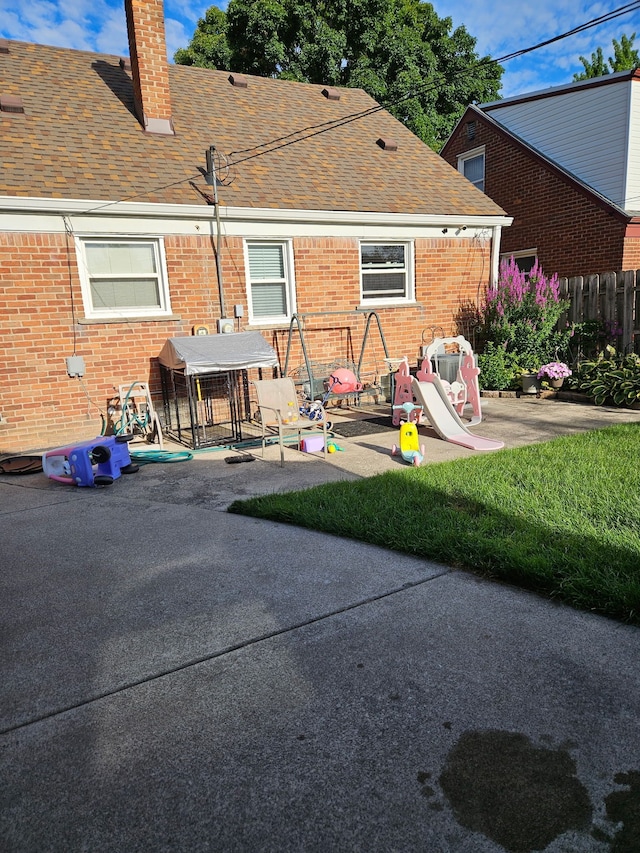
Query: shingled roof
[[79, 138]]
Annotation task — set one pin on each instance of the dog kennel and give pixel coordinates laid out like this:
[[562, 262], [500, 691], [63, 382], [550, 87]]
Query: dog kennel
[[205, 388]]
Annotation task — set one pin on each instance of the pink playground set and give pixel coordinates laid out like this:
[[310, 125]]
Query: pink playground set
[[443, 402]]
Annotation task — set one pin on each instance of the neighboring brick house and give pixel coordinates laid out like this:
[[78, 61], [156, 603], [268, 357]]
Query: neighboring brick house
[[565, 163], [109, 231]]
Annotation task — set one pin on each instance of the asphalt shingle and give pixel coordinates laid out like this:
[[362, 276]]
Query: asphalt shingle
[[79, 138]]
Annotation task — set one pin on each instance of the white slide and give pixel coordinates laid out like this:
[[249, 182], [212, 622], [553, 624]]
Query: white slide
[[444, 418]]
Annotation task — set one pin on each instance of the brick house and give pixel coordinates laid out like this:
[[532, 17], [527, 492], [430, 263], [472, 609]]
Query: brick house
[[565, 163], [111, 240]]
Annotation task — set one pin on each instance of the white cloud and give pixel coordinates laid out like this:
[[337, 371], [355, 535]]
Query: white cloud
[[111, 35], [177, 36], [503, 30]]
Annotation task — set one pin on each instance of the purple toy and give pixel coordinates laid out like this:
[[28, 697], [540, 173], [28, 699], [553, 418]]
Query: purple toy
[[97, 462]]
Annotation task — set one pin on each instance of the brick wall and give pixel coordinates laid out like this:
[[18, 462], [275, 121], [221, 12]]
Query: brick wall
[[570, 230], [42, 407], [631, 256], [147, 46]]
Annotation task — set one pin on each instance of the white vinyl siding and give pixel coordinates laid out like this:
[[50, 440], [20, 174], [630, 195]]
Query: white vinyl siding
[[471, 164], [270, 283], [386, 273], [632, 200], [123, 277], [586, 131]]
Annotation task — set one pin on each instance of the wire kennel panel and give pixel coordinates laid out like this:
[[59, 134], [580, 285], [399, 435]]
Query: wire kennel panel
[[203, 410]]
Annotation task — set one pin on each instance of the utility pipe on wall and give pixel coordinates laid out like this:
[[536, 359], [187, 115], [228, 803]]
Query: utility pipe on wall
[[211, 171]]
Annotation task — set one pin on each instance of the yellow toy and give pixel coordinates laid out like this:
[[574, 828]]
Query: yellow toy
[[410, 448]]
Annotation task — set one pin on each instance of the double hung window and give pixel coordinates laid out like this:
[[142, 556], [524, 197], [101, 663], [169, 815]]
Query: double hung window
[[123, 277], [270, 281], [471, 164], [386, 272]]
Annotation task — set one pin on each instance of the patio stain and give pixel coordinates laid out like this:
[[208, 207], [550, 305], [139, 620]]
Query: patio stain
[[624, 807], [518, 795]]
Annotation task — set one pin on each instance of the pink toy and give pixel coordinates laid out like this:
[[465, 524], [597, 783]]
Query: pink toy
[[465, 389], [343, 381], [442, 402]]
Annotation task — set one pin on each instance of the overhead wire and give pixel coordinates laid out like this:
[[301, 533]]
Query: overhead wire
[[311, 131], [314, 130]]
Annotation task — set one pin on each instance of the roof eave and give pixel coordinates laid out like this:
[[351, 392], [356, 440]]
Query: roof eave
[[121, 209]]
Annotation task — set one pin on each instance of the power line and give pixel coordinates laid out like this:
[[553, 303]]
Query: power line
[[315, 130], [311, 131], [144, 193]]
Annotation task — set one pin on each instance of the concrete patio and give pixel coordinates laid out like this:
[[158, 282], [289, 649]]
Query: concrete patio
[[177, 678]]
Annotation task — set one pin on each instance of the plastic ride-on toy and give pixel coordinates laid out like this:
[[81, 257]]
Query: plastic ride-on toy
[[97, 462], [410, 448]]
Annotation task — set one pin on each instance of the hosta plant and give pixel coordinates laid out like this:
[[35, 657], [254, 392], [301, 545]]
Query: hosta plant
[[611, 378]]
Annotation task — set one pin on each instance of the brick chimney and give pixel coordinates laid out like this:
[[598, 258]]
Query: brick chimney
[[149, 66]]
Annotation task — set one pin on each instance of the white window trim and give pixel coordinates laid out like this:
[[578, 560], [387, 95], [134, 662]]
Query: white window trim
[[290, 278], [409, 298], [469, 155], [92, 313], [521, 253]]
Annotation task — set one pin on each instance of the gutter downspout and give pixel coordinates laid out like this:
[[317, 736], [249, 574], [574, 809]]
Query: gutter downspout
[[495, 254]]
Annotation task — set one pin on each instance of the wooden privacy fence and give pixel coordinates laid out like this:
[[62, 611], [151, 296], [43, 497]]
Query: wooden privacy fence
[[610, 298]]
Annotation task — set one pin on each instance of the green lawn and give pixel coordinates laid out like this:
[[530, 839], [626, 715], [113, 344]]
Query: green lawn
[[561, 518]]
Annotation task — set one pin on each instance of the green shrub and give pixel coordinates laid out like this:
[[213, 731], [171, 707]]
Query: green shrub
[[498, 369], [611, 378], [592, 337]]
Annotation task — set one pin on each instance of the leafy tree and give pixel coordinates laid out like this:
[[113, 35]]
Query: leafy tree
[[624, 58], [209, 47], [399, 51]]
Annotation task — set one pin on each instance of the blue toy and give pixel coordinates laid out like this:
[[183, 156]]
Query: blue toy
[[410, 448], [97, 462]]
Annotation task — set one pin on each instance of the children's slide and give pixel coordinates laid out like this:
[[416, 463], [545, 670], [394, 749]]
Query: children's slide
[[443, 418]]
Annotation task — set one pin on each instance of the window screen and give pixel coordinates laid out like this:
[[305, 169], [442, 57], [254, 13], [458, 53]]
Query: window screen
[[473, 170], [384, 271]]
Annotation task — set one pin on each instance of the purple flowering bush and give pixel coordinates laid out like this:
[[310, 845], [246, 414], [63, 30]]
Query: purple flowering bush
[[521, 323]]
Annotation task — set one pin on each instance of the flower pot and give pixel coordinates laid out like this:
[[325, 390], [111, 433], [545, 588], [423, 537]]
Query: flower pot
[[556, 383], [530, 383]]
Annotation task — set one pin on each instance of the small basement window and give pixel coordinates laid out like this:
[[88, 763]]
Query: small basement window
[[525, 259]]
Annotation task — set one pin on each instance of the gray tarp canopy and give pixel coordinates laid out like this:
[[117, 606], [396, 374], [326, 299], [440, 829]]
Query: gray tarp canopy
[[218, 353]]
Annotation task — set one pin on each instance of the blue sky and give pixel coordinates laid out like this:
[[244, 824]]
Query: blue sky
[[500, 28]]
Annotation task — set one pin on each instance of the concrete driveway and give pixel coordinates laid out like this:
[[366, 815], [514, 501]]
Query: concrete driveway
[[176, 678]]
